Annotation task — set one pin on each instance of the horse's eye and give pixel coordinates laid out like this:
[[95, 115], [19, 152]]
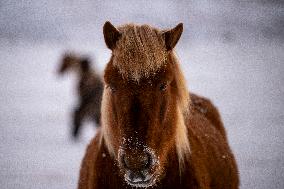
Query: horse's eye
[[112, 88], [163, 86]]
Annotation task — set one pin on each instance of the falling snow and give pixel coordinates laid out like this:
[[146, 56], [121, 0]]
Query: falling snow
[[230, 51]]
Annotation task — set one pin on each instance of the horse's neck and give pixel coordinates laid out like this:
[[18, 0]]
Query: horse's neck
[[85, 78], [176, 177], [85, 74]]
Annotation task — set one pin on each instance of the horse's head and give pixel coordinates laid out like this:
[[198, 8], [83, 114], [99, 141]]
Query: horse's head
[[144, 102], [71, 61]]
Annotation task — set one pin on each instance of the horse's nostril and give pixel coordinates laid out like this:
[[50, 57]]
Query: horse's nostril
[[137, 162]]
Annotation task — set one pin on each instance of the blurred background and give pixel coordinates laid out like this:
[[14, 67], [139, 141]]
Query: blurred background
[[231, 51]]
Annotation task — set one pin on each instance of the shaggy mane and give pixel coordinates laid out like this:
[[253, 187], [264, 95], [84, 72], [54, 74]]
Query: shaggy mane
[[183, 108]]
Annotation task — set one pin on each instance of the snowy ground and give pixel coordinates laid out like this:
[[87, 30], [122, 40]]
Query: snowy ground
[[231, 52]]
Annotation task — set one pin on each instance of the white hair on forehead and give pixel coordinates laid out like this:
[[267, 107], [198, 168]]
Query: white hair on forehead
[[140, 52]]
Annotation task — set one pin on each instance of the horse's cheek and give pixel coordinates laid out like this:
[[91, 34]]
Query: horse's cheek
[[115, 111]]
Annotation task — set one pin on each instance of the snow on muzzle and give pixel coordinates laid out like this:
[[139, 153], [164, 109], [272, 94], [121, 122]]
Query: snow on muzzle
[[138, 166]]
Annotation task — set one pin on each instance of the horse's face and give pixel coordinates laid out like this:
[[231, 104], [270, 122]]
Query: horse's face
[[73, 62], [141, 121], [68, 62]]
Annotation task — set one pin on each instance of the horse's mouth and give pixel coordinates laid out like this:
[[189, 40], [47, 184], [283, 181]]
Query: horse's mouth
[[143, 182]]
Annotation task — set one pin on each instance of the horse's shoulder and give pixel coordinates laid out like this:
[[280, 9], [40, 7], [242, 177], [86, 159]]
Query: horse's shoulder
[[210, 149], [93, 162], [86, 171], [203, 133], [93, 148], [205, 108]]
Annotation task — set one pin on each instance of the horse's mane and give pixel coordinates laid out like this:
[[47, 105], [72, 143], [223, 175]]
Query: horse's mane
[[182, 141], [138, 54]]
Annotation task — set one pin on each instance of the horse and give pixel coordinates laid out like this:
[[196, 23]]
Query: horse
[[154, 132], [89, 89]]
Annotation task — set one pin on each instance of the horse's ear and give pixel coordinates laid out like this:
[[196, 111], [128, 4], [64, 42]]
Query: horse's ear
[[172, 36], [111, 35]]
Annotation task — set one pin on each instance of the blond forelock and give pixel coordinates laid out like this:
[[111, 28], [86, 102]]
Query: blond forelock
[[139, 52]]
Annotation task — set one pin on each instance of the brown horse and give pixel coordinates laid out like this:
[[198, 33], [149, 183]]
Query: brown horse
[[90, 89], [154, 134]]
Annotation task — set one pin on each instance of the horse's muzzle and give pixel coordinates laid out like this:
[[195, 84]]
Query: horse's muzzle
[[137, 166], [137, 161]]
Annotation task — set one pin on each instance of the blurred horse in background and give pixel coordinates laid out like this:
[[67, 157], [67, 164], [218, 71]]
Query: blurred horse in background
[[154, 132], [89, 88]]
